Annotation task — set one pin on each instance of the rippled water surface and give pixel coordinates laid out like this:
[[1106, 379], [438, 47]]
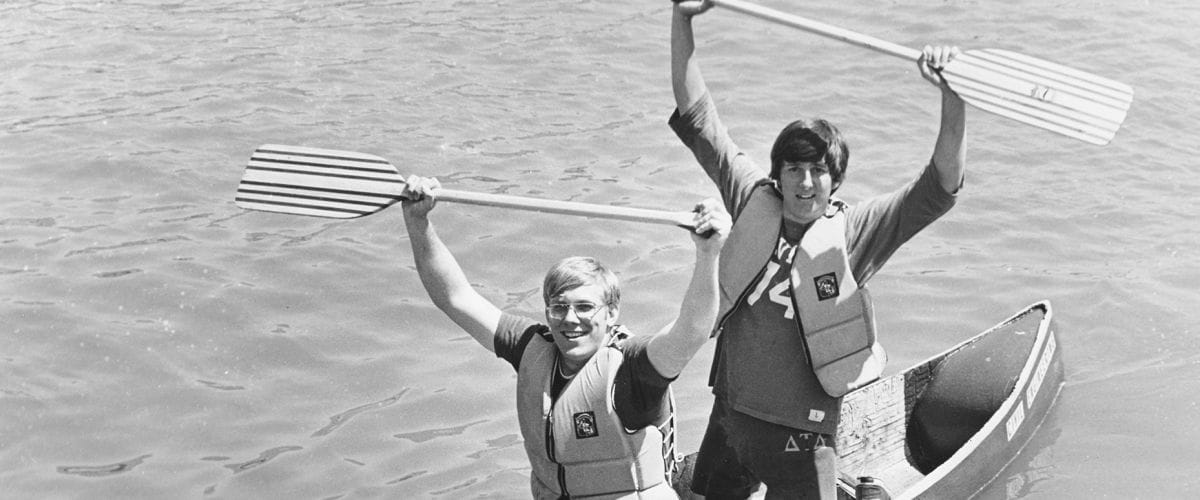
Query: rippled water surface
[[156, 341]]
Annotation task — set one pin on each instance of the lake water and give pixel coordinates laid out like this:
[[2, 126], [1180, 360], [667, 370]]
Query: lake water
[[156, 341]]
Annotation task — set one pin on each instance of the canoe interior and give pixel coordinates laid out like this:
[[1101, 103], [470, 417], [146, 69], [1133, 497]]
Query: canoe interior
[[874, 422]]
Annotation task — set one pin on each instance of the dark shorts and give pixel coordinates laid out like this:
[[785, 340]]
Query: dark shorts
[[739, 452]]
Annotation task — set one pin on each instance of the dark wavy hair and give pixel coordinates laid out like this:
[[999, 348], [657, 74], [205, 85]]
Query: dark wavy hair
[[816, 141]]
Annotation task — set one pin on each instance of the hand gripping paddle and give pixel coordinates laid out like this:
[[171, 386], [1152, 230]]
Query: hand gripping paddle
[[344, 185], [1026, 89]]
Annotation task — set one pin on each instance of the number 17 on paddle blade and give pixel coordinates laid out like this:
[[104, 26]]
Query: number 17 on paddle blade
[[1041, 93], [318, 182]]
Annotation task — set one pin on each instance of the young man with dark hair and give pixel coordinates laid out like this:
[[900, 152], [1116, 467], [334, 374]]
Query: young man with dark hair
[[795, 325]]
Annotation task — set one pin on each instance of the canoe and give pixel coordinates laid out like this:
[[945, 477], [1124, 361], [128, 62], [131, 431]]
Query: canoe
[[948, 426]]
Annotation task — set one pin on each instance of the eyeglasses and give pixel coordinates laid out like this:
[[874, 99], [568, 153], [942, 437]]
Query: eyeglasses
[[583, 310]]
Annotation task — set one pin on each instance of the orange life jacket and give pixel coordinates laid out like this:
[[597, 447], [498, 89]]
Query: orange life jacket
[[577, 445], [834, 313]]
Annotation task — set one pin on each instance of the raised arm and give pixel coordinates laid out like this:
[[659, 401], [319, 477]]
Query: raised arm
[[950, 151], [686, 80], [439, 271], [671, 349]]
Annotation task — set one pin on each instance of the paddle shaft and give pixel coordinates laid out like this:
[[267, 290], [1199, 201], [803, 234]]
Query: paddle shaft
[[819, 28], [681, 219]]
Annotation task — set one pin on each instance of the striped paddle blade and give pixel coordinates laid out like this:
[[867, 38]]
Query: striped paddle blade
[[1040, 93], [319, 182]]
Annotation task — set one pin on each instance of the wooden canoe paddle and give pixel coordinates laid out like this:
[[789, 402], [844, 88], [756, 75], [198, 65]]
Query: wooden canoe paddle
[[1026, 89], [344, 185]]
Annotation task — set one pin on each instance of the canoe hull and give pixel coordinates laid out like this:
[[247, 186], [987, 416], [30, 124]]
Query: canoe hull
[[872, 439]]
